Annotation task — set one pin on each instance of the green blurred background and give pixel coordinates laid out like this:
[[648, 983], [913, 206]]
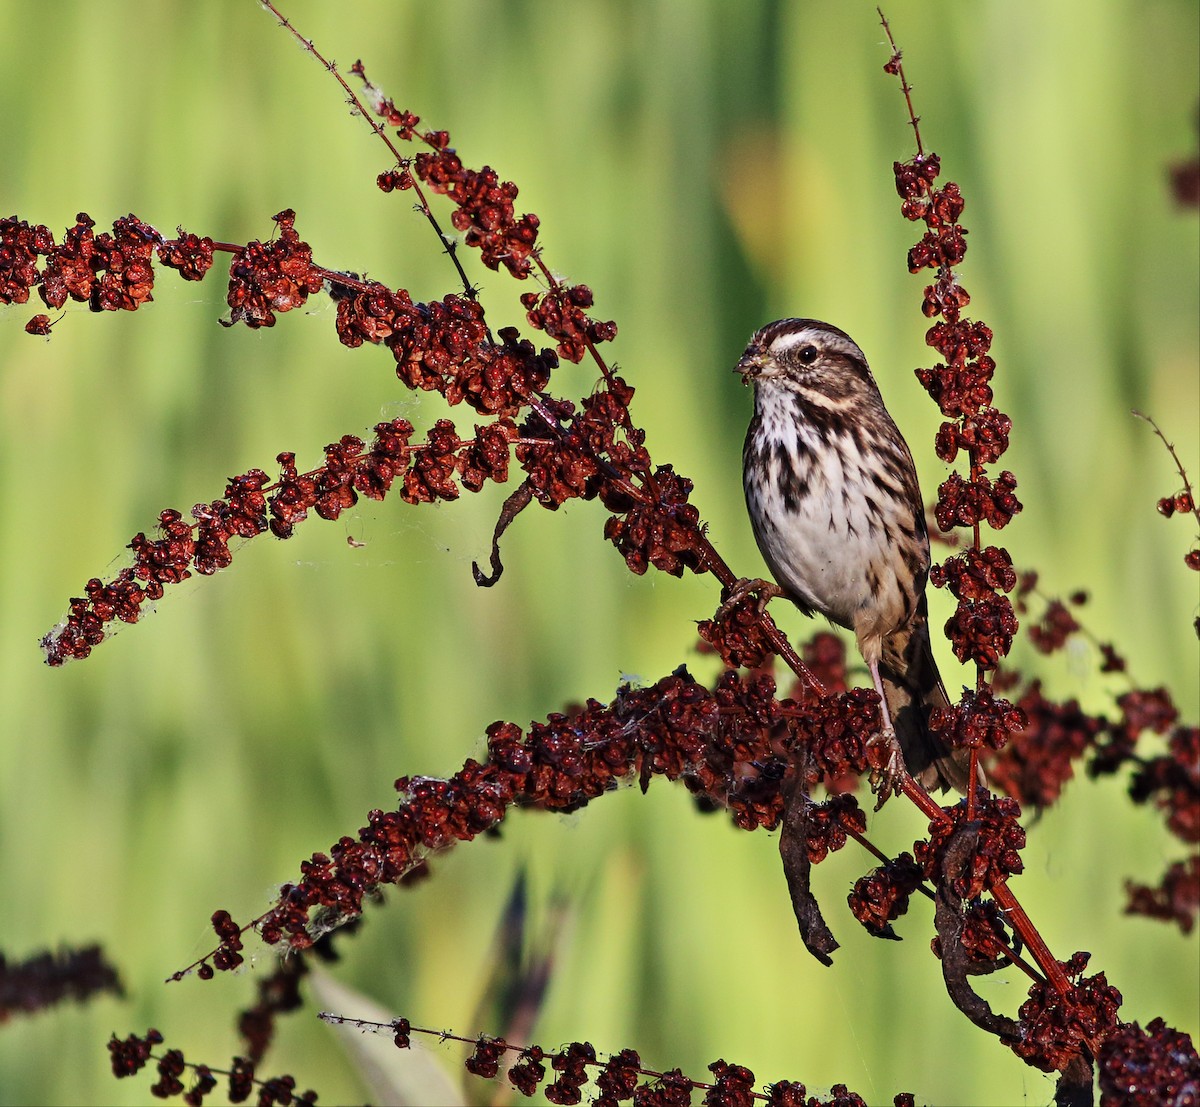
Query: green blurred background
[[705, 167]]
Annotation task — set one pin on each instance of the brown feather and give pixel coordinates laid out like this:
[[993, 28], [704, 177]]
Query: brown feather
[[913, 687]]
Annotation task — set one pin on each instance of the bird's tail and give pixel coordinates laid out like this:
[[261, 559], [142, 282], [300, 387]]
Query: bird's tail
[[913, 687]]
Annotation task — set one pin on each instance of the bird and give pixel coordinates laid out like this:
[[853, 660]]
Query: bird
[[833, 499]]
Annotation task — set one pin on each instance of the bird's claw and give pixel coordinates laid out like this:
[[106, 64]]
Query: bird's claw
[[888, 772], [737, 594]]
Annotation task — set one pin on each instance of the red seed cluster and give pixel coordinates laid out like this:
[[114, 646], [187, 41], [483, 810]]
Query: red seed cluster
[[128, 274], [944, 247], [983, 434], [281, 1090], [1056, 1028], [964, 503], [882, 895], [1145, 709], [994, 854], [559, 466], [605, 427], [664, 533], [959, 390], [371, 314], [433, 342], [825, 655], [571, 1064], [44, 979], [981, 631], [229, 955], [732, 1086], [513, 373], [619, 1078], [1176, 898], [836, 730], [728, 745], [961, 341], [485, 1060], [562, 313], [483, 206], [241, 1080], [436, 469], [975, 574], [592, 452], [170, 1067], [671, 1089], [945, 296], [108, 272], [267, 277], [746, 760], [984, 623], [1184, 176], [738, 636], [21, 243], [1113, 662], [984, 936], [826, 825], [487, 455], [1050, 633], [1146, 1068], [385, 108], [1181, 501], [1172, 782], [977, 721], [191, 256], [295, 494], [1041, 754], [166, 560], [431, 476], [1141, 709], [134, 1053], [786, 1093], [529, 1071]]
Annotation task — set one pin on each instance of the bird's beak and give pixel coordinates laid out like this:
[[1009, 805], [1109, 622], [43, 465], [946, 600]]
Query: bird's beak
[[751, 365]]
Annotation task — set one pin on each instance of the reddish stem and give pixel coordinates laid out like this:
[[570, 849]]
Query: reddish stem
[[1022, 924], [905, 87], [1187, 484]]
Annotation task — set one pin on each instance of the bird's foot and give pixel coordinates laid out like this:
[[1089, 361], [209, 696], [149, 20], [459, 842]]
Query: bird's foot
[[887, 765], [736, 595]]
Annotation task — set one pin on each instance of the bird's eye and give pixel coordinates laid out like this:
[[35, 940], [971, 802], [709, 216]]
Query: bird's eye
[[808, 354]]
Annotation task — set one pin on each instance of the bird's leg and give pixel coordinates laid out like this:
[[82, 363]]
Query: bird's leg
[[885, 779], [765, 589]]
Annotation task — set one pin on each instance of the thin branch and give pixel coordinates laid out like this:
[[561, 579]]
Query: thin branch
[[1187, 484], [448, 244], [896, 65]]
